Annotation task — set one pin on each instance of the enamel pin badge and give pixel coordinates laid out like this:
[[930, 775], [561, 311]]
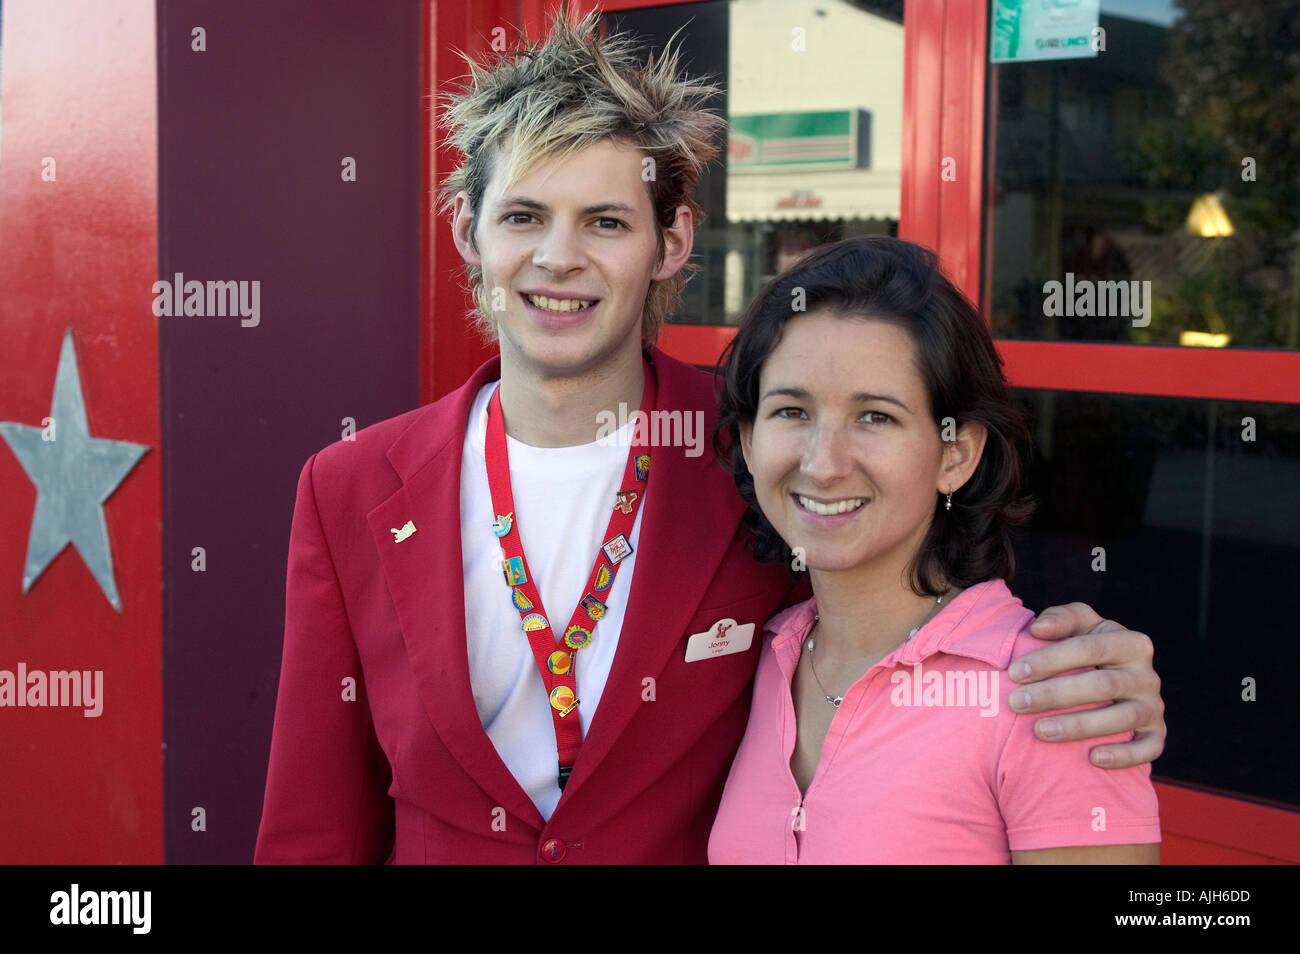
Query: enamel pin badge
[[399, 535], [514, 571], [616, 549], [594, 607]]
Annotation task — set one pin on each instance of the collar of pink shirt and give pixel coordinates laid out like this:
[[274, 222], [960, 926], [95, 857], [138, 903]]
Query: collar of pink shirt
[[974, 624]]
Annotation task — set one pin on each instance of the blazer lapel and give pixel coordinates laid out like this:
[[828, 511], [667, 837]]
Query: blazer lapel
[[688, 525], [692, 511], [426, 581]]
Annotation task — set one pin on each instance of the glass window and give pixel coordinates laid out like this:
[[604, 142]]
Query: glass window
[[1191, 505], [1165, 165], [814, 101]]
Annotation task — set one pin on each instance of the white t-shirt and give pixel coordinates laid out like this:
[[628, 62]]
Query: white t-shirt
[[563, 499]]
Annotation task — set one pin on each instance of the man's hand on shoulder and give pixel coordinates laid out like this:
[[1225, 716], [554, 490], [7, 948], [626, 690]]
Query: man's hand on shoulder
[[1123, 676]]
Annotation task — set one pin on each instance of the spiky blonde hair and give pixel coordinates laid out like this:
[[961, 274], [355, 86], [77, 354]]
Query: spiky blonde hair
[[571, 90]]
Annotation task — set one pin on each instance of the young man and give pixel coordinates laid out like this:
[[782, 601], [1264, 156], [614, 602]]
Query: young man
[[504, 638]]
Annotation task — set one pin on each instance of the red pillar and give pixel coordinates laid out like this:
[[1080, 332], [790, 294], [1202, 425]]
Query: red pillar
[[79, 216]]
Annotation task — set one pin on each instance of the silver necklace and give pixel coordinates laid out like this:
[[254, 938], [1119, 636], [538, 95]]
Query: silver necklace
[[836, 700]]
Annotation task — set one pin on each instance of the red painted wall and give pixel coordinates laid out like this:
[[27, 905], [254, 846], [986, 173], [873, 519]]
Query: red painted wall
[[80, 252]]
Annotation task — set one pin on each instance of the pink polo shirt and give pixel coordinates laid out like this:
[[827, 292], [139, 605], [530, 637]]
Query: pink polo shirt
[[924, 762]]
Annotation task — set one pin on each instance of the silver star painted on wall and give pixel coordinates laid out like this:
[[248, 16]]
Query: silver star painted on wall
[[74, 474]]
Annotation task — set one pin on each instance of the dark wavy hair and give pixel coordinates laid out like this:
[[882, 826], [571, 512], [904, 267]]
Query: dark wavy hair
[[888, 279]]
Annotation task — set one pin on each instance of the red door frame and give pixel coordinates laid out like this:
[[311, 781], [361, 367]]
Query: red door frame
[[943, 117]]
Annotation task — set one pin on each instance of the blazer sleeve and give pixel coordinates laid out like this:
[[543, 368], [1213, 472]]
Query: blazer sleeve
[[327, 781]]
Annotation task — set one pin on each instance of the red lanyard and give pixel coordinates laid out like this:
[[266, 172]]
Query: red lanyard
[[555, 658]]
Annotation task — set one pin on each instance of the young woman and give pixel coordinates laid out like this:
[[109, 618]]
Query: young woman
[[867, 421]]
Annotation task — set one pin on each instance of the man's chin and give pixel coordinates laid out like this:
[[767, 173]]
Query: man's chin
[[567, 355]]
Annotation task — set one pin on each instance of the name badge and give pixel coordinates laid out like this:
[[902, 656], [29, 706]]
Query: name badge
[[722, 639]]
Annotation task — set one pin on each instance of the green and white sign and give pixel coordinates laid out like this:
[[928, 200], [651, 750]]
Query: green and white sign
[[1025, 30], [765, 142]]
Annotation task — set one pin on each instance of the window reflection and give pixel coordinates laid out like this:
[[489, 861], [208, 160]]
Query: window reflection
[[1169, 158], [814, 100]]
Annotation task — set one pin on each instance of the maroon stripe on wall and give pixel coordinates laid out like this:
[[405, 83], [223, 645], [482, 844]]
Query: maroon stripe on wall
[[252, 136]]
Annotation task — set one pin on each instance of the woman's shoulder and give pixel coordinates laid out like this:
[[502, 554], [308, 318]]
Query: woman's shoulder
[[985, 621]]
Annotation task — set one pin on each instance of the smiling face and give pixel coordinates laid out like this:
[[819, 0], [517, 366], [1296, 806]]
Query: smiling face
[[570, 250], [846, 457]]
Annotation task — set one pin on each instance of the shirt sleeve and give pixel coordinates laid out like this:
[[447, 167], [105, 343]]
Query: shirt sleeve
[[1052, 796], [326, 788]]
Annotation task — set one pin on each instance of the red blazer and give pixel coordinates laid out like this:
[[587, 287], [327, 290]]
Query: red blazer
[[404, 773]]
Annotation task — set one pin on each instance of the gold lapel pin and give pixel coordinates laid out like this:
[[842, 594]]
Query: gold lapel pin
[[406, 531]]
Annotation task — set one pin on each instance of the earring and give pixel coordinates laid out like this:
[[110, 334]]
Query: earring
[[948, 505]]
